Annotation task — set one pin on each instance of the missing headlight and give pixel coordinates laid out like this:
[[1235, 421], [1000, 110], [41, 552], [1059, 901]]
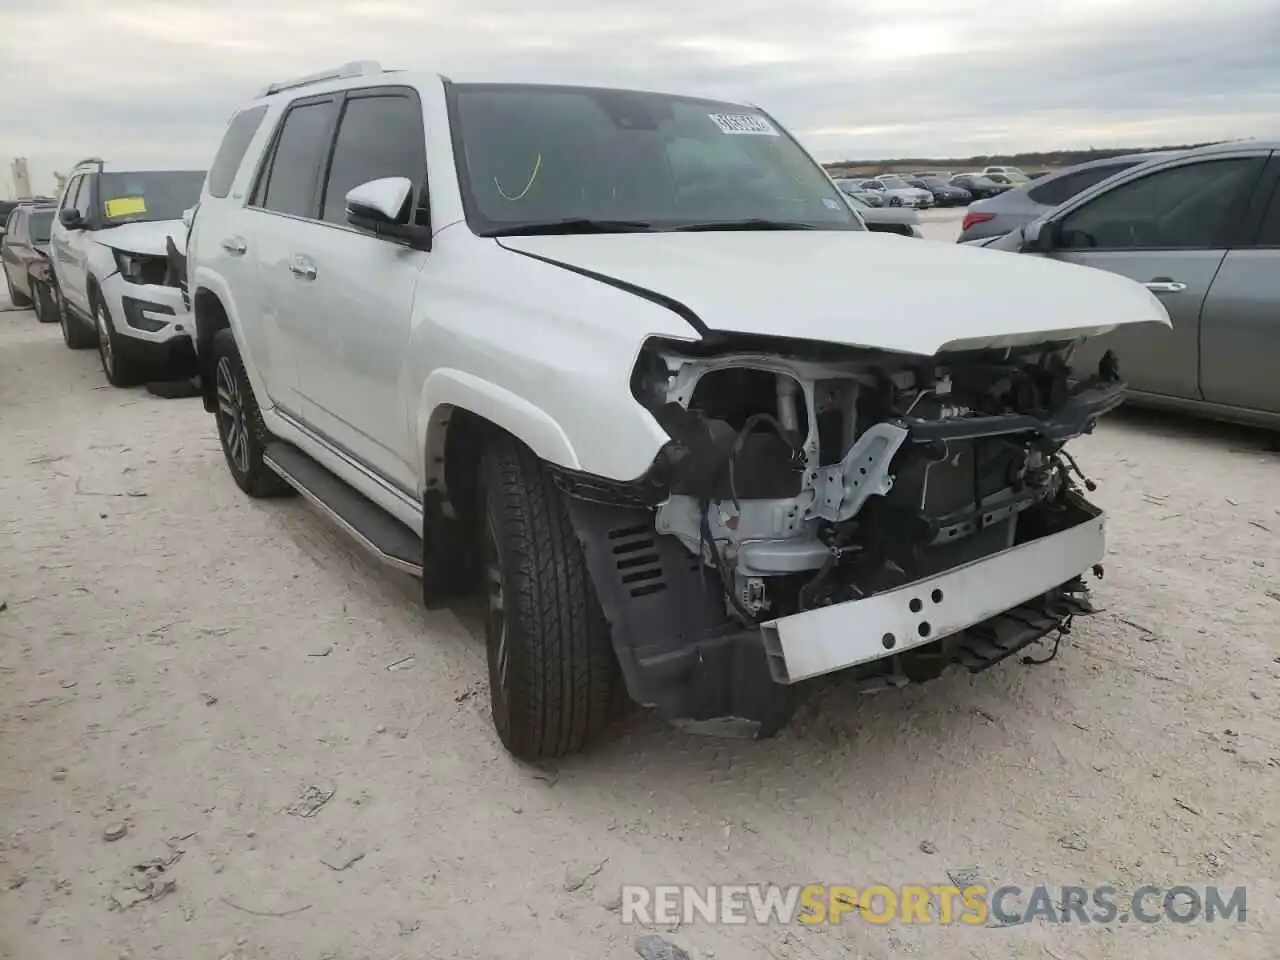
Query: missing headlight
[[141, 267]]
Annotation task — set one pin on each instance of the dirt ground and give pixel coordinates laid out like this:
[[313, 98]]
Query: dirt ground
[[184, 663]]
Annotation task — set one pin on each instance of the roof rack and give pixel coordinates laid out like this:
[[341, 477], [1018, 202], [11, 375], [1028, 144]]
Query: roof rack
[[356, 68]]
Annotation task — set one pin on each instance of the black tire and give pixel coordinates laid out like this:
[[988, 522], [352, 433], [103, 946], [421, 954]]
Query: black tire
[[561, 685], [42, 301], [895, 201], [16, 298], [241, 431], [74, 333], [121, 369]]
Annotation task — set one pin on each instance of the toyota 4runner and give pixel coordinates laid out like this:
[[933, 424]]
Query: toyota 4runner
[[631, 362]]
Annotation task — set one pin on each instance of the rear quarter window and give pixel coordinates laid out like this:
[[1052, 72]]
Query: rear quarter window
[[1063, 188], [235, 143]]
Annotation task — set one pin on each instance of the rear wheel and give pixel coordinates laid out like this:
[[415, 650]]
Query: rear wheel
[[243, 435], [42, 301], [554, 681], [16, 298]]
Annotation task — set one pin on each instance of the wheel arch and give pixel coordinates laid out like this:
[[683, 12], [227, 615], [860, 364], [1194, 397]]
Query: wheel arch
[[459, 411]]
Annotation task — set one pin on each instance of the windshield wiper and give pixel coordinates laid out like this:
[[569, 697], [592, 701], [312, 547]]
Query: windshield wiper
[[752, 223], [569, 225]]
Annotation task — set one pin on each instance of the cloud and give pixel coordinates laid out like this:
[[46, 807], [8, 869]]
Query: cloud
[[155, 80]]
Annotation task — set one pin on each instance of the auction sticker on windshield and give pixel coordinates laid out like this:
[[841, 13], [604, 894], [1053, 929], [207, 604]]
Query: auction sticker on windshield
[[125, 206], [739, 123]]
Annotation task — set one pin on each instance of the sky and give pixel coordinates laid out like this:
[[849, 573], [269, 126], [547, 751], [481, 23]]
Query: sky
[[155, 81]]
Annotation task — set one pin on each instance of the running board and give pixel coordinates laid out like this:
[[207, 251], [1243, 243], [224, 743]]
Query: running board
[[355, 514]]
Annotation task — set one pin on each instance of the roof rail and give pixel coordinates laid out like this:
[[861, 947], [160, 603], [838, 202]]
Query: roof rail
[[356, 68], [90, 161]]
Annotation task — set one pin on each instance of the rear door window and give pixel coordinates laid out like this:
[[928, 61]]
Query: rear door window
[[289, 185], [235, 143]]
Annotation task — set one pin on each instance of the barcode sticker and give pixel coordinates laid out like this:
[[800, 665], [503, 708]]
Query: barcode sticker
[[743, 123]]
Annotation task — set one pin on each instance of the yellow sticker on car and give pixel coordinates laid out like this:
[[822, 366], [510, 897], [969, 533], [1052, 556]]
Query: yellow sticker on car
[[125, 206]]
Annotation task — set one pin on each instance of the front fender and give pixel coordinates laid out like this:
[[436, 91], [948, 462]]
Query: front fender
[[532, 425]]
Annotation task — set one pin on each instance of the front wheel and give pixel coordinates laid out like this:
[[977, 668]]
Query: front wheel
[[895, 201], [243, 435], [554, 681], [121, 369], [75, 334]]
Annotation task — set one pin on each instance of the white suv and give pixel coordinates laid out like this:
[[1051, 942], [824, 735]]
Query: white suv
[[631, 363], [111, 243]]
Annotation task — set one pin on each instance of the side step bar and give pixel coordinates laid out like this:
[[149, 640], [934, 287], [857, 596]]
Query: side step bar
[[356, 515]]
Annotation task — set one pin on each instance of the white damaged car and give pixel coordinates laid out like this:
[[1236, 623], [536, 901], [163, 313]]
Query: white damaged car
[[629, 364], [114, 284]]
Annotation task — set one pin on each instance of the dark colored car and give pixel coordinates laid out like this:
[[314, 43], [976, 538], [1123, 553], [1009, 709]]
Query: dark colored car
[[944, 194], [24, 251], [998, 215], [979, 187]]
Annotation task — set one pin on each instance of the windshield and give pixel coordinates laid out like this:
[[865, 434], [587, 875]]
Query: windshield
[[153, 195], [41, 223], [895, 183], [531, 156]]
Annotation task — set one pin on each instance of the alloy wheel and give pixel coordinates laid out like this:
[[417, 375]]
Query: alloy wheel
[[231, 419], [104, 339]]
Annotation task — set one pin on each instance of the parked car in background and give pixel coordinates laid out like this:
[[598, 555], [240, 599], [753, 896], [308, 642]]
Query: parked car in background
[[24, 250], [897, 192], [978, 186], [567, 384], [935, 174], [1201, 230], [114, 288], [1011, 174], [852, 188], [995, 216], [904, 221], [943, 193]]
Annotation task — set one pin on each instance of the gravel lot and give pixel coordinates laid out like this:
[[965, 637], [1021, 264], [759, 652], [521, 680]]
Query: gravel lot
[[182, 663]]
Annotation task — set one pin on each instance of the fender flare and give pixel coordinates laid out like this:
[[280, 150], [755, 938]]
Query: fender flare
[[447, 388]]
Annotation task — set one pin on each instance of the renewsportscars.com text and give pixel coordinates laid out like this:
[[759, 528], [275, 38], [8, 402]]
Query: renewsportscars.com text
[[975, 905]]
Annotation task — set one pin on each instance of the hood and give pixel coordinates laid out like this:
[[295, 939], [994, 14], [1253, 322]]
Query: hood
[[917, 298], [147, 237]]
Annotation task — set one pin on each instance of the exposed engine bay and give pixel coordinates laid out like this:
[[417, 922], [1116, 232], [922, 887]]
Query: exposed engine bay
[[813, 502], [806, 483]]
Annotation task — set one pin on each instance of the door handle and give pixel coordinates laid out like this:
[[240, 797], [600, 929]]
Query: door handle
[[234, 246], [302, 268], [1165, 285]]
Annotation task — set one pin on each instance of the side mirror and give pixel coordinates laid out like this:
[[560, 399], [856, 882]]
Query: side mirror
[[70, 218], [188, 217], [1040, 236], [385, 208]]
